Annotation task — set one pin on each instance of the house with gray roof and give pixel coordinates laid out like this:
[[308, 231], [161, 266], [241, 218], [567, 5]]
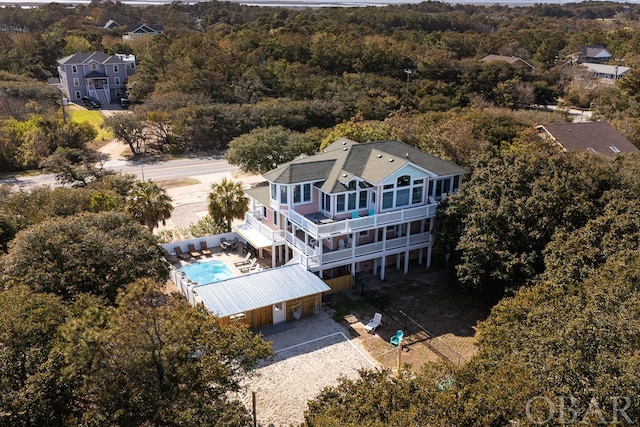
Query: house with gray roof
[[594, 137], [594, 54], [142, 30], [512, 60], [95, 74], [354, 207]]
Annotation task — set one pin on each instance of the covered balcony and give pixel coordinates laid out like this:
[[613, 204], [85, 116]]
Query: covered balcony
[[319, 226]]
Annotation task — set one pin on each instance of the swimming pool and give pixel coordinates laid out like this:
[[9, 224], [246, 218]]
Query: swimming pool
[[207, 272]]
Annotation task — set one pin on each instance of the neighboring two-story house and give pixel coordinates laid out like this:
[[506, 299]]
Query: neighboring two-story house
[[354, 207], [95, 74]]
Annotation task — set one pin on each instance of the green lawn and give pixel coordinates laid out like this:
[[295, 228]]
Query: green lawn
[[94, 117]]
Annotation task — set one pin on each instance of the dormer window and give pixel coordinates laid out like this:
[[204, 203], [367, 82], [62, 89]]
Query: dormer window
[[94, 66], [352, 185]]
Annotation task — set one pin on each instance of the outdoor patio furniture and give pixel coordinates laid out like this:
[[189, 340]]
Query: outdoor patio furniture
[[397, 338], [181, 254], [204, 249], [374, 323], [246, 268], [170, 258], [227, 245], [193, 251], [243, 261]]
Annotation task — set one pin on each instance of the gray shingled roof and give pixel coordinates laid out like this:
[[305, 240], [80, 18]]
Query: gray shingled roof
[[371, 161], [595, 52], [260, 194], [597, 137], [86, 57], [261, 289]]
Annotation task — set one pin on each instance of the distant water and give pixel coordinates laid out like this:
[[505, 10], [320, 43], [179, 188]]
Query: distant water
[[310, 3]]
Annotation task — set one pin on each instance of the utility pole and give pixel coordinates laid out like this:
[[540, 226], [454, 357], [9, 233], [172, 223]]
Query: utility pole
[[408, 71]]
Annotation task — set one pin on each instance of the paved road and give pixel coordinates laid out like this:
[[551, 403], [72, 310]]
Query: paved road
[[157, 171]]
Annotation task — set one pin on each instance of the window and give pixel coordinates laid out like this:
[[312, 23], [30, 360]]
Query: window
[[74, 69], [132, 65], [362, 200], [340, 203], [326, 203], [78, 95], [264, 212], [364, 233], [117, 80], [306, 193], [416, 196], [76, 81], [352, 185], [302, 193], [115, 68], [274, 192], [402, 197], [387, 187], [403, 181], [387, 200], [456, 182], [275, 218], [297, 197], [430, 188], [283, 194], [94, 66], [352, 201]]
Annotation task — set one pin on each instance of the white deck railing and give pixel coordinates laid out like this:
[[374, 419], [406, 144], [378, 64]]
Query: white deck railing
[[310, 256], [256, 224], [357, 224]]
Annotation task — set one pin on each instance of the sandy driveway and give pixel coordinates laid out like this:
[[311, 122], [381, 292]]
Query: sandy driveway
[[311, 354]]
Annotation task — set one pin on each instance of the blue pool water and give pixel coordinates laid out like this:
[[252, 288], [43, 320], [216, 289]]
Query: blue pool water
[[207, 272]]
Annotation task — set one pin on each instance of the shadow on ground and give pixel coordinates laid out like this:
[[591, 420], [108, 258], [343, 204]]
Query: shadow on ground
[[438, 319]]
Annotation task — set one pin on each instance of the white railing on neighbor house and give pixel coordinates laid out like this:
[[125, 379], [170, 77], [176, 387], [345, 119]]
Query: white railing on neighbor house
[[311, 258], [359, 224]]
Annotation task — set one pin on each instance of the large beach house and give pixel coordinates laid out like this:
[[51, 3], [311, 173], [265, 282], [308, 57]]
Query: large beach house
[[354, 207], [95, 74]]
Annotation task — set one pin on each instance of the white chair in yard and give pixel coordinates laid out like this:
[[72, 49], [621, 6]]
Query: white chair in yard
[[374, 323]]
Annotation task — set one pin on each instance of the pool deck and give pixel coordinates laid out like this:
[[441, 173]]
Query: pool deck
[[228, 257]]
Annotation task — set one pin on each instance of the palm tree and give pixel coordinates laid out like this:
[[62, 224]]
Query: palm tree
[[227, 201], [149, 203]]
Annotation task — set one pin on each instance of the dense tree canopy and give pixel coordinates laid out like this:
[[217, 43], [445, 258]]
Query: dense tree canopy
[[88, 253]]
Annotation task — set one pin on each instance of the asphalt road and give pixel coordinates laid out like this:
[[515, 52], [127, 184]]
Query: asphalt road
[[157, 171]]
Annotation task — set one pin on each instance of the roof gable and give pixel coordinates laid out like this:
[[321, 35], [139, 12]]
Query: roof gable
[[596, 51]]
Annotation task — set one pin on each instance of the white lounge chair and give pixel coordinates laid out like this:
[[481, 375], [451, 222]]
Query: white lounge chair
[[374, 323], [243, 261], [248, 267]]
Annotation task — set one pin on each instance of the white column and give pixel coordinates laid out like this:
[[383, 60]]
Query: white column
[[429, 257], [273, 256], [384, 259]]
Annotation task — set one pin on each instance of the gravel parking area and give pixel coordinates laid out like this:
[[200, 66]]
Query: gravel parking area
[[310, 354]]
